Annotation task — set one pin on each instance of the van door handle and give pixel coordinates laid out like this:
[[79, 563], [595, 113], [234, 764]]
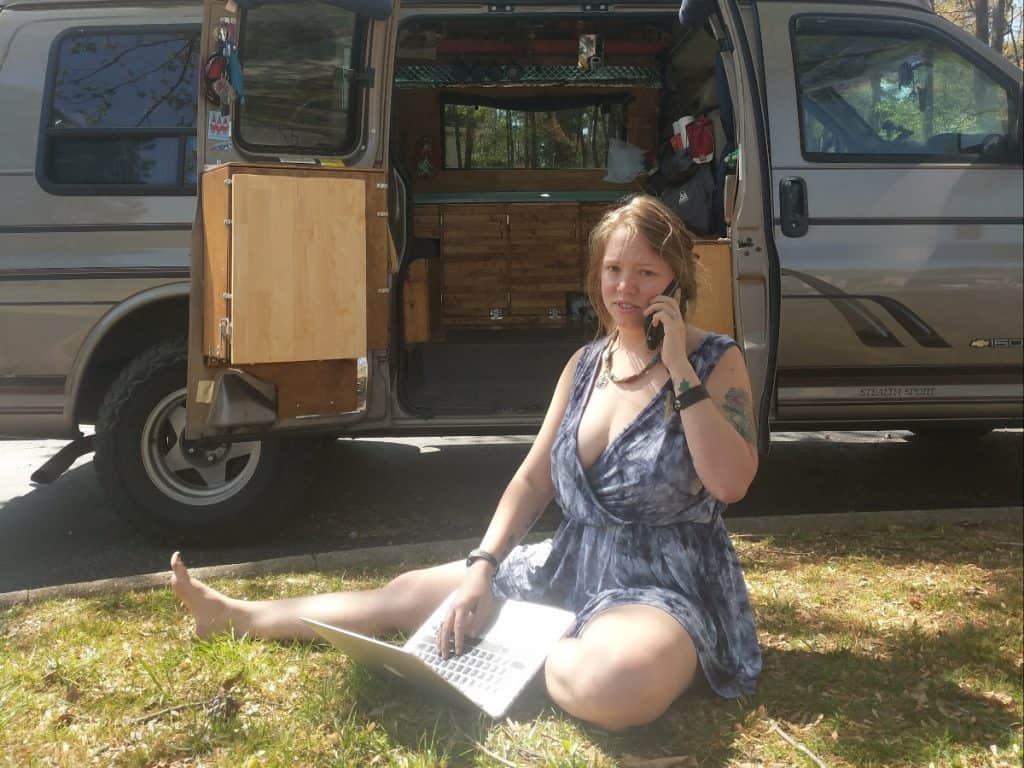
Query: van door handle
[[793, 203]]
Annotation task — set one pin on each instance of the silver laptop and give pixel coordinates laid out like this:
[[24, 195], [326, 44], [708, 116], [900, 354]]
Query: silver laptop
[[492, 669]]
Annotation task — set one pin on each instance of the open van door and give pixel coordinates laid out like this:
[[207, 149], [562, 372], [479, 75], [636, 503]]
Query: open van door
[[747, 204], [291, 245]]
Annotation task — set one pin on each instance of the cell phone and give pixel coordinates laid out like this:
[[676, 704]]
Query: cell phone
[[655, 333]]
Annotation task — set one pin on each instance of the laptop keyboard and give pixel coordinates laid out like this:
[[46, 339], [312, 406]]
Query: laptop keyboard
[[482, 665]]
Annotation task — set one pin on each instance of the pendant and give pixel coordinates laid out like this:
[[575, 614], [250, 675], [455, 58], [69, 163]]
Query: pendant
[[602, 379]]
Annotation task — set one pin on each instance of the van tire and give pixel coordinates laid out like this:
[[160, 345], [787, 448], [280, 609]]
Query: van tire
[[155, 484]]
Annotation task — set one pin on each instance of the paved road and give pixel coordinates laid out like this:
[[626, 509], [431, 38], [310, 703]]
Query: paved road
[[426, 488]]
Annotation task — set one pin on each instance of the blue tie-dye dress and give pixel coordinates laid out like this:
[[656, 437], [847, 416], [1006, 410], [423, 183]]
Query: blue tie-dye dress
[[640, 527]]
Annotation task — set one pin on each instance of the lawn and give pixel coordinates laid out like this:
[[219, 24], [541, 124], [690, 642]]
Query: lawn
[[896, 647]]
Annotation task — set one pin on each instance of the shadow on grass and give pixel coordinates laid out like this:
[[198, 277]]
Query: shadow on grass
[[899, 711], [921, 695]]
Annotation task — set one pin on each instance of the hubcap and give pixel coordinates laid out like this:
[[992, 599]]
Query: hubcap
[[185, 471]]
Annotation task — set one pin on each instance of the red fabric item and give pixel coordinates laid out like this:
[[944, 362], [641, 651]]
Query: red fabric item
[[701, 139]]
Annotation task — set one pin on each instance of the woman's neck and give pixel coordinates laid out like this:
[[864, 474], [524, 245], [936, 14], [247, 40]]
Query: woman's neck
[[633, 341]]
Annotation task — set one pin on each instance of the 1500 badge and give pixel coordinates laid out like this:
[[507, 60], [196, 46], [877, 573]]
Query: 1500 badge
[[998, 343]]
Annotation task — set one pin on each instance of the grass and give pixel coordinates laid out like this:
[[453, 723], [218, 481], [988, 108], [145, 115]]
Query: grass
[[888, 648]]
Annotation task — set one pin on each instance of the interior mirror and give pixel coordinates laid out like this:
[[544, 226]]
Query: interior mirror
[[906, 74]]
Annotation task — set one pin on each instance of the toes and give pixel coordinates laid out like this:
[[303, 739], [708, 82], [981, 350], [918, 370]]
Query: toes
[[179, 574]]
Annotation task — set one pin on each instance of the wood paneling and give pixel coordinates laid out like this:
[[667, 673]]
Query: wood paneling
[[714, 310], [323, 387], [421, 301], [216, 268], [590, 215], [544, 260], [427, 222], [642, 118], [298, 268], [474, 260], [379, 246]]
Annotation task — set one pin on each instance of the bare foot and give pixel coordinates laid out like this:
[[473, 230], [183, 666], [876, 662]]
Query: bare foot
[[212, 611]]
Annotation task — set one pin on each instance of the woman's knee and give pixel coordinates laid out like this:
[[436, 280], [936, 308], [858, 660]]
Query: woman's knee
[[613, 687]]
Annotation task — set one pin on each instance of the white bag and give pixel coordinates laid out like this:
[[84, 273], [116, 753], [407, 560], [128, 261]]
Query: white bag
[[625, 161]]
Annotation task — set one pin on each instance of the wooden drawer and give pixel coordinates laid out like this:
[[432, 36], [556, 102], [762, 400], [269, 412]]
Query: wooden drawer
[[427, 222]]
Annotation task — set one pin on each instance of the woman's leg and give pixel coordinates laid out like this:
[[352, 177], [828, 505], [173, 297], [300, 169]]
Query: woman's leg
[[628, 666], [403, 604]]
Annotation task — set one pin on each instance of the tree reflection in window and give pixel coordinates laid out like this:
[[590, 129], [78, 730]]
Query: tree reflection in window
[[482, 137], [123, 110]]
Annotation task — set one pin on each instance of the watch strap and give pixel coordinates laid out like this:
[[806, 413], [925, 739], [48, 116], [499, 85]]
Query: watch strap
[[693, 395], [481, 554]]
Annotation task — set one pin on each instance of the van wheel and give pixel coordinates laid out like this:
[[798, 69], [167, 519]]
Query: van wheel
[[168, 487]]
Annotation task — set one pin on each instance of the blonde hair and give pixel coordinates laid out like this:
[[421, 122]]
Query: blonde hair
[[646, 217]]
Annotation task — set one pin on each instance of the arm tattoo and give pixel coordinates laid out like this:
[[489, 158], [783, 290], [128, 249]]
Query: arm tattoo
[[738, 411]]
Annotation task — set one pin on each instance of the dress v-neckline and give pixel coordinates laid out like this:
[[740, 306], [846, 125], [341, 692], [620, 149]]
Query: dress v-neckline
[[643, 411]]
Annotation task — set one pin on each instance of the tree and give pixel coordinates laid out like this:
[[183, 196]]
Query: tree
[[997, 23]]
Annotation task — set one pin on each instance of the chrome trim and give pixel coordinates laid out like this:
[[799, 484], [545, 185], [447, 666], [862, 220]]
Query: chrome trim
[[919, 392]]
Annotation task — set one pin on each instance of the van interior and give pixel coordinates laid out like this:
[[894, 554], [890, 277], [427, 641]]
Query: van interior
[[512, 138]]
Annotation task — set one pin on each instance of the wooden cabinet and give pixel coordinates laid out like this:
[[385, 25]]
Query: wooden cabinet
[[544, 261], [474, 263], [514, 264], [509, 264], [293, 261]]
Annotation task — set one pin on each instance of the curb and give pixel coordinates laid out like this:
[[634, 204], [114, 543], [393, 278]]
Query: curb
[[440, 551]]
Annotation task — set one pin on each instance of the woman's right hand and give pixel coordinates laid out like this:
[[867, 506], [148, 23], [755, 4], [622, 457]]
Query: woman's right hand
[[469, 609]]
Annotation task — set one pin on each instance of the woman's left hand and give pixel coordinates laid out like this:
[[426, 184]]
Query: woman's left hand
[[666, 312]]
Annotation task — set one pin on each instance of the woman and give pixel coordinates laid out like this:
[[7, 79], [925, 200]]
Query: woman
[[643, 451]]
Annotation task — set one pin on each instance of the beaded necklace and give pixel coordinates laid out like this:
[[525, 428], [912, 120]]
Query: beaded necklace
[[606, 374]]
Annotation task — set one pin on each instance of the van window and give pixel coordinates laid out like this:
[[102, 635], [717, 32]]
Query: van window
[[297, 77], [122, 112], [895, 96], [492, 137]]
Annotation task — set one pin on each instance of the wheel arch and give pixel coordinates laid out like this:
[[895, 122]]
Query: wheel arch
[[139, 322]]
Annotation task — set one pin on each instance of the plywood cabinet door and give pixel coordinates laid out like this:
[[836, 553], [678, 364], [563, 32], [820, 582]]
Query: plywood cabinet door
[[298, 268], [474, 261], [544, 260]]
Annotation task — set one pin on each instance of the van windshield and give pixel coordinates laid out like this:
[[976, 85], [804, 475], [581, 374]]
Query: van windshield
[[295, 61]]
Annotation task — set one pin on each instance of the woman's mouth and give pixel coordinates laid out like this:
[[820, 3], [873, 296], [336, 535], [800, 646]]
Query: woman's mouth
[[625, 306]]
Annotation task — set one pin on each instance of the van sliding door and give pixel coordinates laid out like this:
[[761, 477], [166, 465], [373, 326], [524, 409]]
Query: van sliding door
[[754, 260]]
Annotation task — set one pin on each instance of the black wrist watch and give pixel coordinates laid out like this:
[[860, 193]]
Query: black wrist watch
[[684, 400], [481, 554]]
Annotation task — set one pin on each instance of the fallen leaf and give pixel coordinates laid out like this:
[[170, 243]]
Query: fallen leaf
[[1003, 698]]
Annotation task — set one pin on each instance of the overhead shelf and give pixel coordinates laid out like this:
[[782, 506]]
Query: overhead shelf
[[437, 75]]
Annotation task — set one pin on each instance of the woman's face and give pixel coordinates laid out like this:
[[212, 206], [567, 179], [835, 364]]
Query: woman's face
[[631, 275]]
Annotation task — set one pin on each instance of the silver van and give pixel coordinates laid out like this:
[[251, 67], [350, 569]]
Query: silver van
[[393, 206]]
